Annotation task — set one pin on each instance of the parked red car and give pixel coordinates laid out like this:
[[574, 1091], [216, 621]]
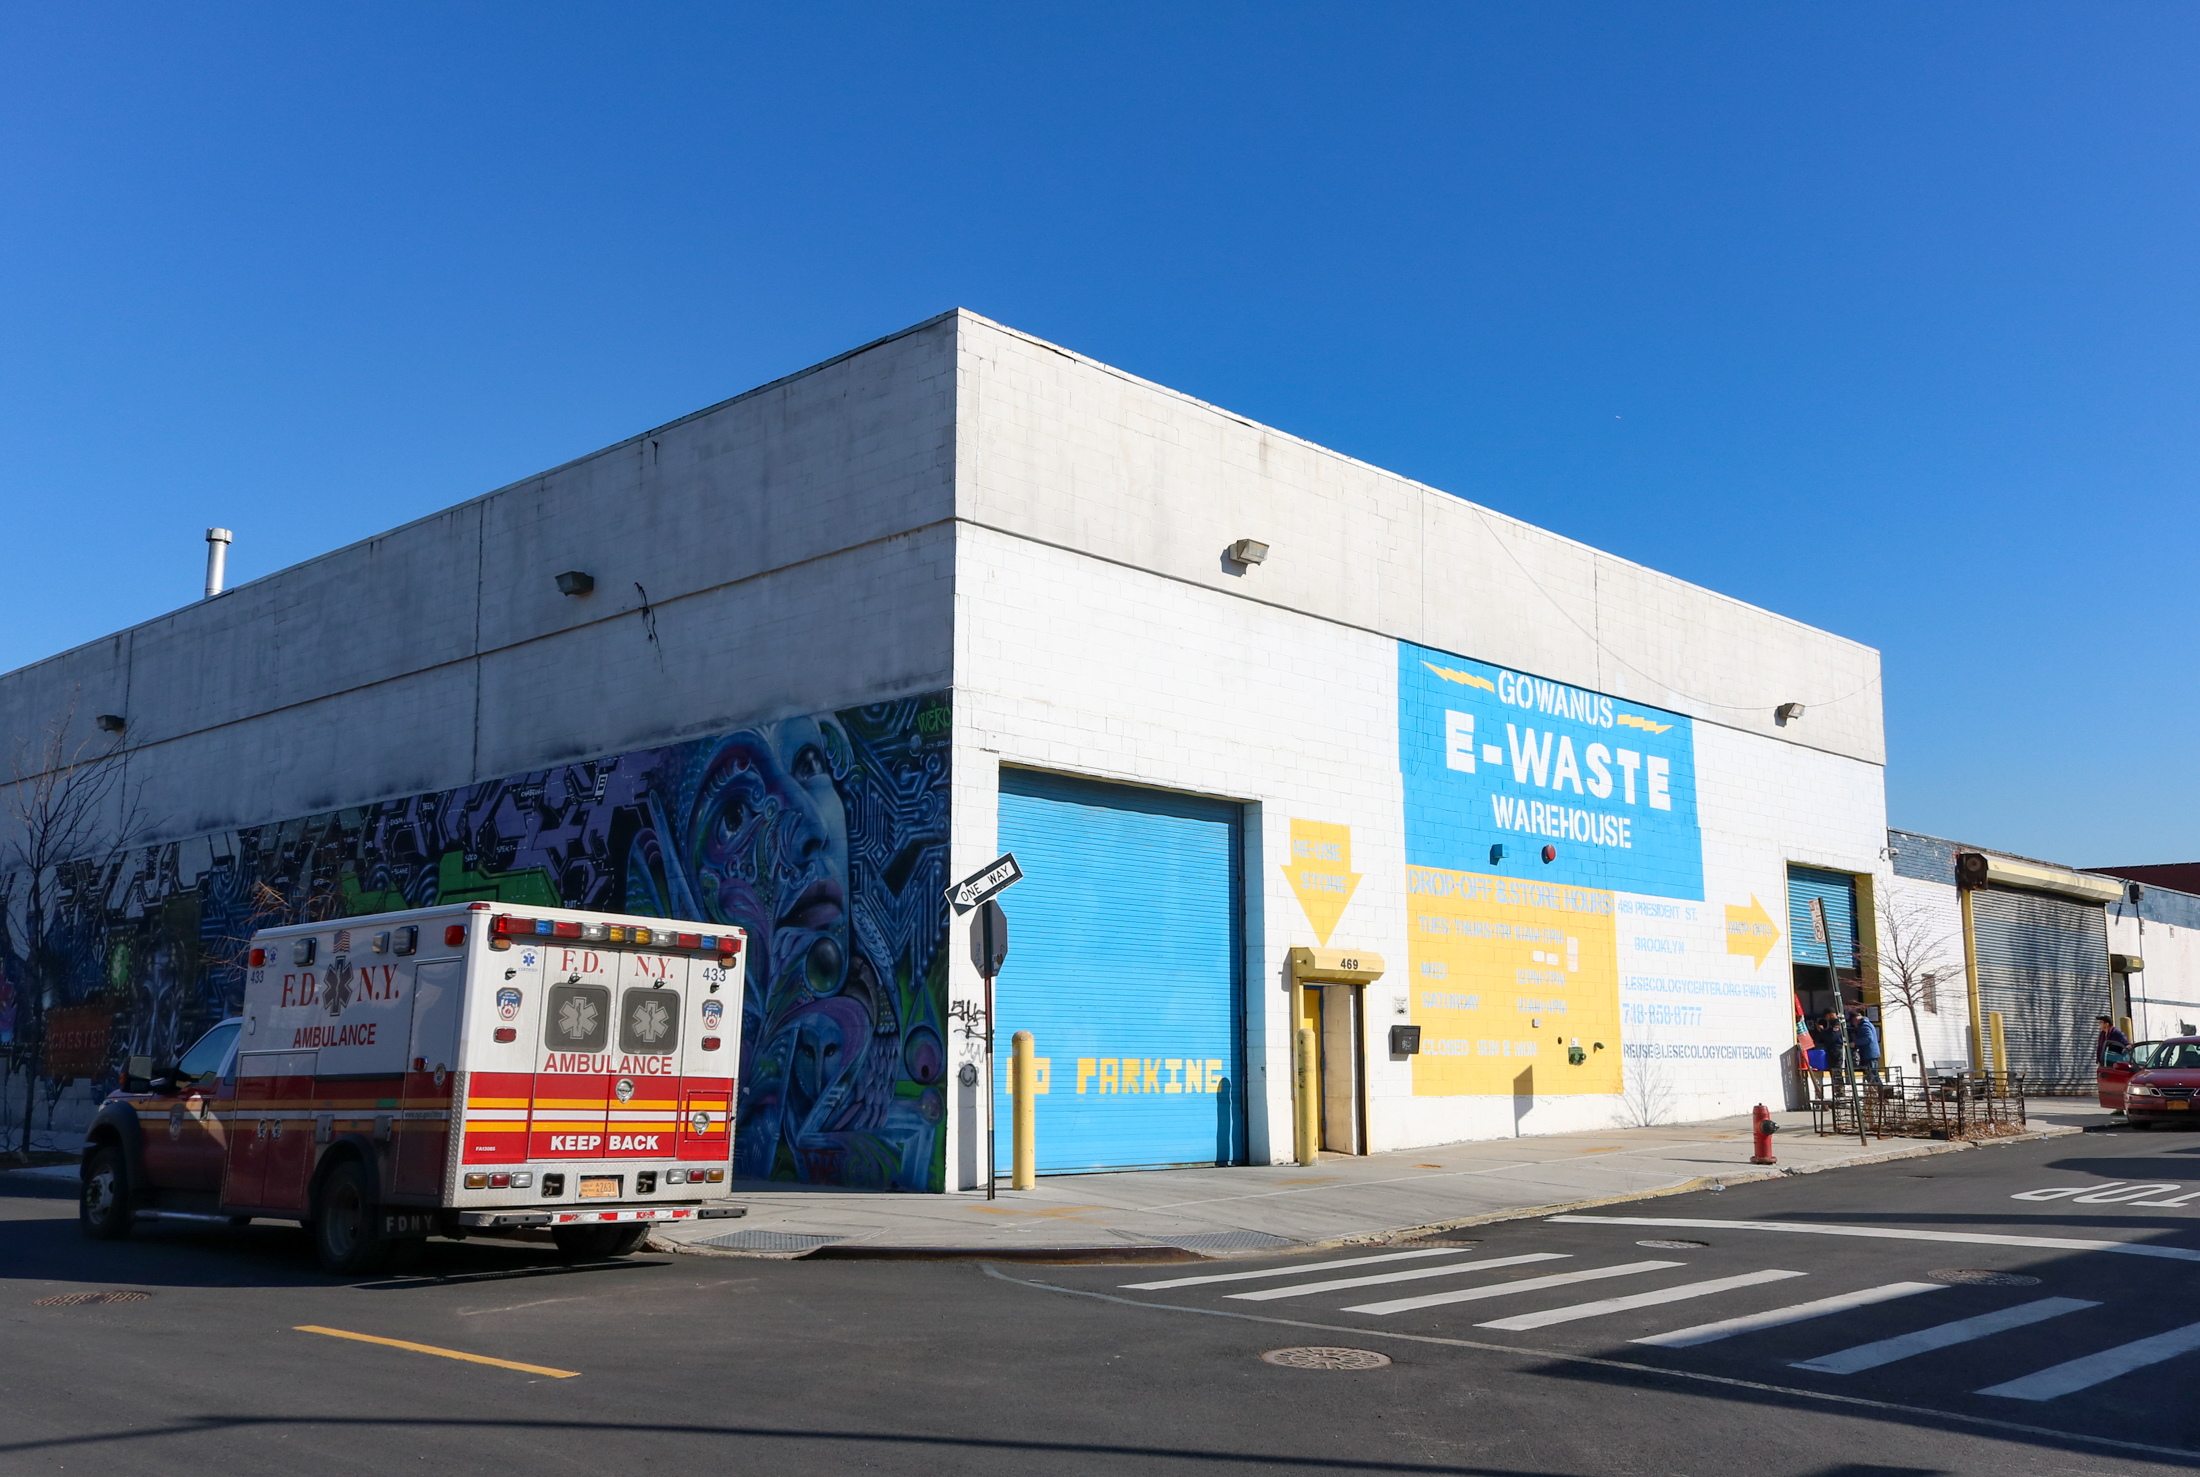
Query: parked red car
[[2163, 1090]]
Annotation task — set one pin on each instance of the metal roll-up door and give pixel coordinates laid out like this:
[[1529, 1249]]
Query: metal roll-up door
[[2042, 963], [1125, 963], [1837, 890]]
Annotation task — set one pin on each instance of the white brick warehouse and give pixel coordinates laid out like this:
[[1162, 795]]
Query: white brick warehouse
[[839, 609]]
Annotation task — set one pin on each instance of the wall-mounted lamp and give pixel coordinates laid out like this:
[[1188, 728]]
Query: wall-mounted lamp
[[573, 582], [1497, 853], [1248, 551], [1787, 712], [110, 723]]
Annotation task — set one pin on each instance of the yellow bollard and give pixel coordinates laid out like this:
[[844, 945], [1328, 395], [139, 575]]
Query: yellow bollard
[[1023, 1089], [1306, 1124], [2001, 1052]]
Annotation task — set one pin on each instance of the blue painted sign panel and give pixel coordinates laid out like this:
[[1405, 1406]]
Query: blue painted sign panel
[[1493, 757]]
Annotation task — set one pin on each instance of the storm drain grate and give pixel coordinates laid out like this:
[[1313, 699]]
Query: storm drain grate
[[1324, 1356], [1980, 1277], [771, 1241], [1230, 1241], [85, 1299]]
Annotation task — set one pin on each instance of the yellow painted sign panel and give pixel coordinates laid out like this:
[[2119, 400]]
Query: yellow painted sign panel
[[1507, 974], [1320, 873]]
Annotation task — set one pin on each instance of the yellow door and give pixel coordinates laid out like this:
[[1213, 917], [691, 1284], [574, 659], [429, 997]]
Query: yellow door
[[1310, 1019]]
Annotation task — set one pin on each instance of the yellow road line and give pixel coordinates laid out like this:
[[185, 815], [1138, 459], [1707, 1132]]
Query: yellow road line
[[368, 1338]]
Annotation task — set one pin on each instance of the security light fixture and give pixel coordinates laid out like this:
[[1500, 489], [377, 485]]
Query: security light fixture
[[110, 723], [1787, 712], [1248, 551], [573, 582]]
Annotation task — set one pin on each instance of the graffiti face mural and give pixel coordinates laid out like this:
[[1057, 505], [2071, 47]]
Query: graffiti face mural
[[824, 837]]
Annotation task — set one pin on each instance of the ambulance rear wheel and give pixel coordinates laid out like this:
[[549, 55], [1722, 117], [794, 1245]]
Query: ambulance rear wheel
[[105, 1212], [595, 1243], [344, 1222]]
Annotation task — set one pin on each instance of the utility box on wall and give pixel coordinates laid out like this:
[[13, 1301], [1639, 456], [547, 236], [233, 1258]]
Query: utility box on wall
[[1405, 1040]]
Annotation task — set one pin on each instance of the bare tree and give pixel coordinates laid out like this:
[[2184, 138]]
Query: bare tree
[[1912, 959], [74, 814]]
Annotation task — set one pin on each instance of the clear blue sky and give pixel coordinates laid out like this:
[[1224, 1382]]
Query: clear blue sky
[[1883, 317]]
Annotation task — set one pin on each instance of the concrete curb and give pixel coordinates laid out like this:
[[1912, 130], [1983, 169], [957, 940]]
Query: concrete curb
[[1162, 1251]]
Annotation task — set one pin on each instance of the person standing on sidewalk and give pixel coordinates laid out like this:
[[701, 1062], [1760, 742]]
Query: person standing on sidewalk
[[1864, 1043], [1827, 1033]]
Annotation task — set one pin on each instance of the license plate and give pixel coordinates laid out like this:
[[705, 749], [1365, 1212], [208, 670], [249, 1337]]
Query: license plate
[[407, 1223], [2176, 1107], [600, 1189]]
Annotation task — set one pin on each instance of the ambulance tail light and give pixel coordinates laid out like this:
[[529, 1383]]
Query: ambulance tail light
[[730, 944], [500, 1182], [454, 935], [507, 1034], [477, 1182], [259, 957], [717, 1176]]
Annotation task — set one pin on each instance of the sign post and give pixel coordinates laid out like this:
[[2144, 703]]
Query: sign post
[[1824, 935], [988, 950]]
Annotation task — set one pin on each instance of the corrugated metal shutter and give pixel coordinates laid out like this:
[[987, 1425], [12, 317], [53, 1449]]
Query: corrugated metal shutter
[[2043, 963], [1838, 891], [1124, 962]]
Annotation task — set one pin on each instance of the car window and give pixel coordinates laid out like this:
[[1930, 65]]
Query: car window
[[2142, 1054], [2179, 1055], [204, 1059]]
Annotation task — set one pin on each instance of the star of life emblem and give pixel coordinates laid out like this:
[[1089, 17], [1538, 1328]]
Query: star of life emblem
[[650, 1021], [577, 1017], [336, 988]]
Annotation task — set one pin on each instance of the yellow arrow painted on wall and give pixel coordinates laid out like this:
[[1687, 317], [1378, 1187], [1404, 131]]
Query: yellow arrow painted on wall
[[1320, 873], [1751, 931]]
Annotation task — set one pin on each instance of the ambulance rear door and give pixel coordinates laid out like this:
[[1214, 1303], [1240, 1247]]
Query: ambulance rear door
[[576, 1050], [643, 1115]]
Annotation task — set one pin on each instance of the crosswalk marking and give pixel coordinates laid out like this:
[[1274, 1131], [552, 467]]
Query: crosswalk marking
[[1892, 1233], [1413, 1274], [1682, 1293], [2078, 1374], [1704, 1333], [1941, 1336], [1353, 1261], [1506, 1289]]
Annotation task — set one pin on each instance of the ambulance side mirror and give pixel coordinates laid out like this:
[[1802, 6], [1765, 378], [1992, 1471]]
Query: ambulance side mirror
[[137, 1076]]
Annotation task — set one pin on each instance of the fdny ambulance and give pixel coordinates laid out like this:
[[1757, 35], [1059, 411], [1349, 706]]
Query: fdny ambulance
[[474, 1067]]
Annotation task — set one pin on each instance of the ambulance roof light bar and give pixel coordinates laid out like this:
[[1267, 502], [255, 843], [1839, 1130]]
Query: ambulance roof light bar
[[506, 927]]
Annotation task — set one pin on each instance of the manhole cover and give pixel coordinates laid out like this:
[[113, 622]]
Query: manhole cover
[[1980, 1277], [1674, 1245], [1321, 1356], [81, 1299]]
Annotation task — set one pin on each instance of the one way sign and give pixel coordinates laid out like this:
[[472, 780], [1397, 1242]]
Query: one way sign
[[980, 885]]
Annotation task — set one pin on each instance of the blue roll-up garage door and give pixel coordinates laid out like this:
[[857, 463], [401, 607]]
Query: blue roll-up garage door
[[1124, 962], [1837, 890]]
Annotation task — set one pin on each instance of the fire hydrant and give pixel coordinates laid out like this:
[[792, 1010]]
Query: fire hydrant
[[1762, 1126]]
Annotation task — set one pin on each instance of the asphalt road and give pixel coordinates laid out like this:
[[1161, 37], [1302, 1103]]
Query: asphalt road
[[1926, 1357]]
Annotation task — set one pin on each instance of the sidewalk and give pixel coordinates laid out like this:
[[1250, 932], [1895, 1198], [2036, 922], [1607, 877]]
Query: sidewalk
[[1342, 1200]]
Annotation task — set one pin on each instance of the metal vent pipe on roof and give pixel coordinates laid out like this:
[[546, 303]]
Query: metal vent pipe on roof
[[217, 559]]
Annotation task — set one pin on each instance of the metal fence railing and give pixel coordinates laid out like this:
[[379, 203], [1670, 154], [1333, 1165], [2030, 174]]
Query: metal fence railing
[[1952, 1105]]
